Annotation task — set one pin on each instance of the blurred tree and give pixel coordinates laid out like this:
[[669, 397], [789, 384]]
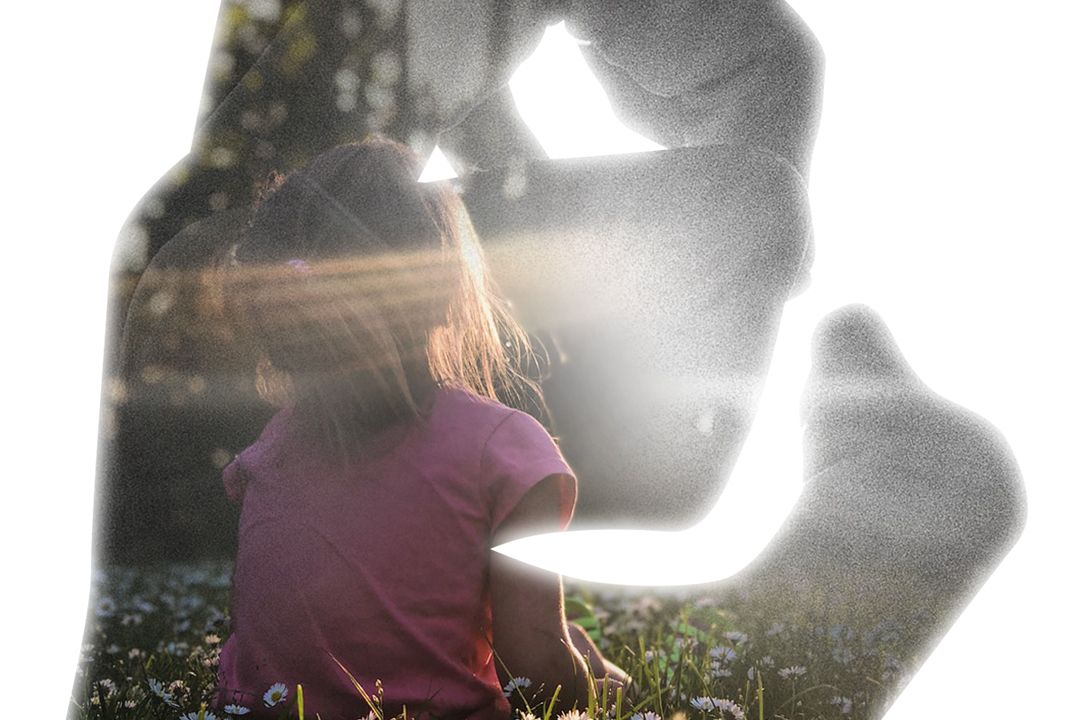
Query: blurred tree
[[285, 80]]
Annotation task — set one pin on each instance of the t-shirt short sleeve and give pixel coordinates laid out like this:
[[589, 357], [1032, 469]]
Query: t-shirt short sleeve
[[517, 456]]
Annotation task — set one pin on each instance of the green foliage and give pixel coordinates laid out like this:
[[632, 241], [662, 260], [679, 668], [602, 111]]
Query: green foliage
[[154, 636]]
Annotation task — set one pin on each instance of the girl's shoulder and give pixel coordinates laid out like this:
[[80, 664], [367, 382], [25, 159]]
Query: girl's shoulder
[[491, 426], [480, 422], [514, 453], [235, 475], [461, 405]]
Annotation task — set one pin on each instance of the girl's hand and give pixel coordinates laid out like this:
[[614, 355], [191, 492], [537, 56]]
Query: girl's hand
[[600, 667]]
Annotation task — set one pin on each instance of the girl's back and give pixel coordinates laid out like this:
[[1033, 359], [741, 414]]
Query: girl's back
[[372, 501], [382, 565]]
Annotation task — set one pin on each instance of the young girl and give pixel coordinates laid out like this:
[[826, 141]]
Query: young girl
[[372, 499]]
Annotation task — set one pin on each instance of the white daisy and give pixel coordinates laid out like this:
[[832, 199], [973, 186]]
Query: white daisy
[[158, 689], [573, 715], [518, 683], [705, 704], [236, 710], [721, 653], [845, 704], [277, 693], [718, 671], [729, 707], [793, 671], [106, 607]]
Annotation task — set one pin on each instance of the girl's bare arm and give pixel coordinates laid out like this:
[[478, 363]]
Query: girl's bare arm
[[531, 635]]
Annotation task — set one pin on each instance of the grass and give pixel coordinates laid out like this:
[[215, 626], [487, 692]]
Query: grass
[[154, 635]]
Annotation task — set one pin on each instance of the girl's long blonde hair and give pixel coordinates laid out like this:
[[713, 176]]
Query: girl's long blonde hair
[[364, 290]]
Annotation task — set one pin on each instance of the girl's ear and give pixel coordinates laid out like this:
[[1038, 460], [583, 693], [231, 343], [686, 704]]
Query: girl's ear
[[273, 384]]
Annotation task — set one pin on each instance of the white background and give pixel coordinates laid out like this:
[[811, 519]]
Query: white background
[[943, 190]]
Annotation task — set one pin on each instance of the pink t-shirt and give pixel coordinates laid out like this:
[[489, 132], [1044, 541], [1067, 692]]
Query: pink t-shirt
[[384, 567]]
